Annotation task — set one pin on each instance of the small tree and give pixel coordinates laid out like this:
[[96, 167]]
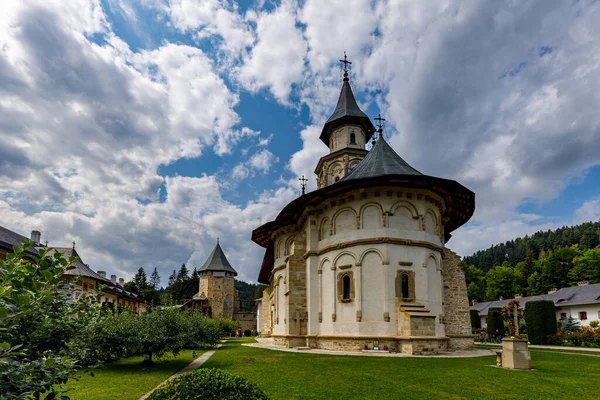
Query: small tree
[[495, 324], [475, 320], [571, 325], [37, 321], [540, 318]]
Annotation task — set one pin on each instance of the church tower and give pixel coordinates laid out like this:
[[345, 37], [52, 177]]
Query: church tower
[[217, 284], [346, 133]]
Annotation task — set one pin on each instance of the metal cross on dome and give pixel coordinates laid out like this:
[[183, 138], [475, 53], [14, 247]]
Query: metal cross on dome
[[303, 181], [346, 63]]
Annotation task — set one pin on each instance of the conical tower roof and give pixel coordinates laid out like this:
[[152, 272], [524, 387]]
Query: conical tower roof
[[217, 262], [347, 111], [382, 160]]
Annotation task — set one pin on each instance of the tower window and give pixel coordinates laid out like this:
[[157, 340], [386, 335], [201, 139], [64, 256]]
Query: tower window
[[352, 138]]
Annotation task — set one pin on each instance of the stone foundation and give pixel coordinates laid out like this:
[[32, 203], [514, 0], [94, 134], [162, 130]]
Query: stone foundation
[[408, 345]]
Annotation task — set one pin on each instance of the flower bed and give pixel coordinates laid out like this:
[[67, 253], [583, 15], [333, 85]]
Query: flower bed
[[586, 337]]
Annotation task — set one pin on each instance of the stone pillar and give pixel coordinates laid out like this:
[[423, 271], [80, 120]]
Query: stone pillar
[[313, 277], [515, 354], [457, 321], [296, 286]]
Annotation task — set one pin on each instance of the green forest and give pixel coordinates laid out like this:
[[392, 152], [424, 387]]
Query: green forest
[[534, 264], [182, 286]]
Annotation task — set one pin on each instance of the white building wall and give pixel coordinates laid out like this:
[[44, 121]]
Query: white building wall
[[592, 311]]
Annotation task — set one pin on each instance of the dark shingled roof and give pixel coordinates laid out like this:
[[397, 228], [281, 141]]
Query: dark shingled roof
[[382, 160], [10, 239], [217, 262], [80, 269], [346, 111]]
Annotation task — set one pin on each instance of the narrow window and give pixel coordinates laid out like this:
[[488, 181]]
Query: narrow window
[[346, 287], [583, 315], [563, 316], [337, 178], [352, 138], [404, 286]]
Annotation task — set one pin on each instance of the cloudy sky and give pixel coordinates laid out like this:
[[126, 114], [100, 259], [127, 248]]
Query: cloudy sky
[[145, 129]]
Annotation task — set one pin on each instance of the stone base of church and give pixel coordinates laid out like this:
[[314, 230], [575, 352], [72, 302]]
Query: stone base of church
[[460, 342], [415, 345]]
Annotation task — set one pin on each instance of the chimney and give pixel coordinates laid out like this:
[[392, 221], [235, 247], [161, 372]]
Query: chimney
[[113, 278], [552, 291], [102, 273], [582, 283], [36, 236], [518, 296], [473, 302], [121, 281]]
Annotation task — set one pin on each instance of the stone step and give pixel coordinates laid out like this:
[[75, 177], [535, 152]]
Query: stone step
[[303, 348]]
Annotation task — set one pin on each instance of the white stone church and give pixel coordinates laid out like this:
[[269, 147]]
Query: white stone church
[[362, 262]]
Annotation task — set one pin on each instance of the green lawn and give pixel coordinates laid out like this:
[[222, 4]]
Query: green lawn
[[125, 380], [284, 375]]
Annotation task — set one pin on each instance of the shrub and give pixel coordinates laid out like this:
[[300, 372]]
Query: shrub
[[540, 318], [495, 321], [247, 332], [475, 320], [208, 384], [594, 324], [227, 326]]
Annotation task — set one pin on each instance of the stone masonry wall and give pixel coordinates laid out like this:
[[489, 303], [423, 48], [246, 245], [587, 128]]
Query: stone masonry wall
[[220, 292], [265, 315], [297, 311], [456, 318]]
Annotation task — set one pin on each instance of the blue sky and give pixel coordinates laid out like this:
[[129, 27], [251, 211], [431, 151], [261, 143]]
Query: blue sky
[[145, 129]]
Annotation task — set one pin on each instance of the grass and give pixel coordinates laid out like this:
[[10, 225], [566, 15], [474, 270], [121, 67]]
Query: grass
[[125, 379], [284, 375]]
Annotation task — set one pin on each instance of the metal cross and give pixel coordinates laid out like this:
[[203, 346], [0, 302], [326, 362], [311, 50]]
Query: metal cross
[[46, 243], [303, 181], [346, 62], [73, 245], [379, 122]]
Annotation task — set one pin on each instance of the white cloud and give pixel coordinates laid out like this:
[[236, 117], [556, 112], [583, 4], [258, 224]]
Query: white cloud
[[276, 61]]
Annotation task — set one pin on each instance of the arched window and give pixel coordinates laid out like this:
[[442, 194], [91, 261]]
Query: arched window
[[337, 178], [352, 138], [404, 286], [346, 287]]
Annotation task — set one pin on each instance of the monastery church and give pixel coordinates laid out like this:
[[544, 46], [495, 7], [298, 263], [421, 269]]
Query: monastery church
[[362, 260]]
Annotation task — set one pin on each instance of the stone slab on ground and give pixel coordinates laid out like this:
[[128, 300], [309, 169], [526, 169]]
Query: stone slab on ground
[[455, 354], [557, 348], [197, 363]]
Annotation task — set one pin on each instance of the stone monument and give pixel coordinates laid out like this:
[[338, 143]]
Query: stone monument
[[515, 351]]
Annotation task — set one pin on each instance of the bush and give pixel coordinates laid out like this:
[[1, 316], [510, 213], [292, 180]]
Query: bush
[[228, 327], [540, 318], [248, 332], [208, 384], [495, 321], [594, 324], [475, 320]]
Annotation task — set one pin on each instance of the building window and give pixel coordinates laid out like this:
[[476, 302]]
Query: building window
[[346, 287], [563, 316], [404, 284], [352, 138], [582, 315]]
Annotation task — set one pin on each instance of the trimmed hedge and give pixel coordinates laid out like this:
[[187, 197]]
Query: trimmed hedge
[[475, 320], [495, 322], [540, 318], [208, 384]]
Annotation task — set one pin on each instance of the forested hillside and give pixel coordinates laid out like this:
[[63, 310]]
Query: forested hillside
[[535, 264]]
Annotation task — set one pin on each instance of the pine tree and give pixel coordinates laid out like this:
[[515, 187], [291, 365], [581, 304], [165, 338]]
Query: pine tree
[[155, 279], [172, 279], [140, 280]]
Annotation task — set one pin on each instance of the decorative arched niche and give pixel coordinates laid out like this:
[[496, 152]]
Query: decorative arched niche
[[370, 216], [403, 215], [431, 222], [344, 220]]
